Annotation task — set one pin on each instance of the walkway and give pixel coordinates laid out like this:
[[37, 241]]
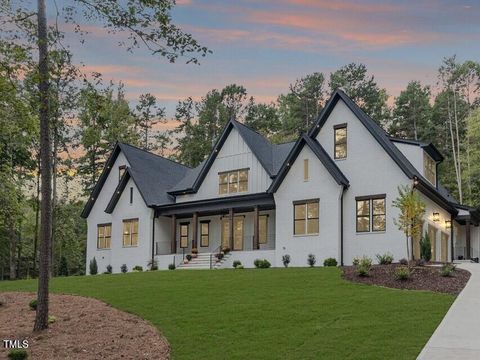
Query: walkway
[[458, 335]]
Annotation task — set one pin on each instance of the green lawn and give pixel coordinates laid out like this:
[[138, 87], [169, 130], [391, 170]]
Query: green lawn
[[267, 314]]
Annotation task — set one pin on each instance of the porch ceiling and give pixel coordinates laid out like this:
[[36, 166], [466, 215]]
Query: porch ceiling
[[220, 205]]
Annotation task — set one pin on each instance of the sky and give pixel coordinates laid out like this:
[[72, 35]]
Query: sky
[[266, 45]]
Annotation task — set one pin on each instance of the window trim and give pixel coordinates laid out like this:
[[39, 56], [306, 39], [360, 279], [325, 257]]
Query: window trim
[[187, 224], [131, 220], [207, 234], [305, 203], [335, 144], [228, 172], [104, 237], [120, 168], [370, 199]]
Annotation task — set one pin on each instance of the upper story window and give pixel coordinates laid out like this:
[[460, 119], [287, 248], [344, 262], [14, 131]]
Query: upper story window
[[430, 169], [231, 182], [371, 213], [305, 170], [340, 151], [104, 236], [121, 171], [306, 214], [130, 232]]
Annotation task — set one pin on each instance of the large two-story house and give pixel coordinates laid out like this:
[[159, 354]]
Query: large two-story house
[[330, 194]]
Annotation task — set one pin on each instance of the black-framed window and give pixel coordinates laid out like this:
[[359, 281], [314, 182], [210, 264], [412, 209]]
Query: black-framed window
[[204, 233], [130, 232], [430, 169], [371, 213], [262, 229], [184, 229], [121, 171], [235, 181], [340, 135], [104, 236], [306, 217]]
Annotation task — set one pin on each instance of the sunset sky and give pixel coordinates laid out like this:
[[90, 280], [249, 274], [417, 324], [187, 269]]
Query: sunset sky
[[266, 45]]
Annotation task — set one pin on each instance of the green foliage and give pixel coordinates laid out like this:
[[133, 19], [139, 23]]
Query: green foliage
[[137, 268], [237, 263], [51, 319], [364, 266], [261, 264], [385, 259], [153, 265], [188, 257], [239, 267], [356, 261], [93, 266], [63, 268], [447, 270], [33, 304], [403, 261], [286, 260], [171, 267], [124, 268], [425, 247], [330, 262], [311, 260], [402, 273], [109, 269], [17, 354]]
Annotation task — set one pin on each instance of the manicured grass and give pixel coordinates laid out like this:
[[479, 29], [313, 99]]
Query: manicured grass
[[267, 314]]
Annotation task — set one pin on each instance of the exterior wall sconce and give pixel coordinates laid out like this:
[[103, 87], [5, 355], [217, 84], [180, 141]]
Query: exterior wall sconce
[[448, 224], [436, 216], [415, 181]]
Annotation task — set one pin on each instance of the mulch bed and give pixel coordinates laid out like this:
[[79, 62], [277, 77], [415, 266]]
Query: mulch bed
[[422, 278], [84, 329]]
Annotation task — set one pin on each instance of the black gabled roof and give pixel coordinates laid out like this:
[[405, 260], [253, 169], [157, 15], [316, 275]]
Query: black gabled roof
[[321, 154], [153, 175], [385, 141], [270, 156], [429, 148], [119, 190]]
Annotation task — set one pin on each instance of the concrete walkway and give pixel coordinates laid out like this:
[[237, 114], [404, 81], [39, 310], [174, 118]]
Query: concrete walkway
[[458, 335]]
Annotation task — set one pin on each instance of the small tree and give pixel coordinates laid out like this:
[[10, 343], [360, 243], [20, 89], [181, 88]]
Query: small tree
[[426, 248], [412, 209], [63, 267], [93, 266]]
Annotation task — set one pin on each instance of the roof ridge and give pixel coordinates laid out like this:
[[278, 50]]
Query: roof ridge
[[252, 129], [152, 153]]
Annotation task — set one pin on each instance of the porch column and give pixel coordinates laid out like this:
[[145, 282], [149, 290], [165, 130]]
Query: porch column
[[256, 242], [230, 226], [467, 238], [195, 230], [174, 234]]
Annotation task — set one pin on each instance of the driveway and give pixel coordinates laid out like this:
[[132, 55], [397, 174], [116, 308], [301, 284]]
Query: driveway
[[458, 335]]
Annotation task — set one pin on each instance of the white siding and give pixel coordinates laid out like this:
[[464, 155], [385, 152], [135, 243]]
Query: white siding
[[413, 153], [234, 154]]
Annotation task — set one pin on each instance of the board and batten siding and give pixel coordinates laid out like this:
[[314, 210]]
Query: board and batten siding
[[234, 154]]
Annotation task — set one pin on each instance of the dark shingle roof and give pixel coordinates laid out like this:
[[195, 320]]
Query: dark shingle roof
[[429, 148]]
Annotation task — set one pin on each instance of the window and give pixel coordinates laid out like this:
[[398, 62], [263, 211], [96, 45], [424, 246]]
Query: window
[[204, 233], [231, 182], [184, 235], [104, 236], [340, 141], [130, 232], [305, 169], [306, 217], [131, 195], [121, 171], [262, 229], [371, 213], [430, 169]]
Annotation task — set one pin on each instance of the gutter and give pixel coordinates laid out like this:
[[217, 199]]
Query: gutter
[[153, 236], [341, 225]]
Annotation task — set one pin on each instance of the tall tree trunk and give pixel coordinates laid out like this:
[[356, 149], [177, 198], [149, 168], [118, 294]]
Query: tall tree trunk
[[37, 216], [13, 249], [41, 319], [452, 138], [54, 190], [459, 165]]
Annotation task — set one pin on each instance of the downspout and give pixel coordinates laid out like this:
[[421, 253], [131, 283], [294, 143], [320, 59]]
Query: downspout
[[153, 237], [451, 238], [341, 226]]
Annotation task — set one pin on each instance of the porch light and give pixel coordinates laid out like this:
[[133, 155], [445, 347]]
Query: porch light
[[436, 216], [415, 182], [448, 224]]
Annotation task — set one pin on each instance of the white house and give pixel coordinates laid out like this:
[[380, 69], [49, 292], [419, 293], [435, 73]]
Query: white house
[[330, 194]]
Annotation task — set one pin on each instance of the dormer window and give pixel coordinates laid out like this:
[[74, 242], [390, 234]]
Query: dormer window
[[340, 131], [121, 171], [430, 169]]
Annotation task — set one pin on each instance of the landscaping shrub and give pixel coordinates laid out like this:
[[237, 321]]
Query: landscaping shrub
[[364, 266], [330, 262], [63, 267], [18, 354], [226, 250], [402, 273], [33, 304], [286, 260], [153, 265], [311, 260], [109, 269], [51, 319], [137, 268], [403, 261], [385, 259], [239, 267], [420, 262], [447, 269], [237, 263], [220, 256], [262, 264], [356, 261], [171, 267], [93, 266], [189, 257], [425, 248], [124, 268]]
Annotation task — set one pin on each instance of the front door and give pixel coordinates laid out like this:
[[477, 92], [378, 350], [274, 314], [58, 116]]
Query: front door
[[445, 247], [238, 222], [225, 233]]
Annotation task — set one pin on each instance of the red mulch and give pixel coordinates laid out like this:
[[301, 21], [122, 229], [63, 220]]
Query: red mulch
[[422, 278], [84, 329]]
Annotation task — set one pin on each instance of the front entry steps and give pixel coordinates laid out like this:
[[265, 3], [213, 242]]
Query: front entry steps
[[202, 261]]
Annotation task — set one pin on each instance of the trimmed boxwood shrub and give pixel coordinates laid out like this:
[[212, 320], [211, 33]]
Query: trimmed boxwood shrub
[[171, 267], [124, 268], [137, 268], [237, 263], [189, 257], [33, 304], [447, 269], [286, 260], [403, 261], [262, 264], [109, 269], [18, 354], [311, 260], [330, 262]]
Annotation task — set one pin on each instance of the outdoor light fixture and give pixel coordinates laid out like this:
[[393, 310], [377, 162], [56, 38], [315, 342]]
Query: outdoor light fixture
[[415, 182], [436, 216], [448, 224]]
